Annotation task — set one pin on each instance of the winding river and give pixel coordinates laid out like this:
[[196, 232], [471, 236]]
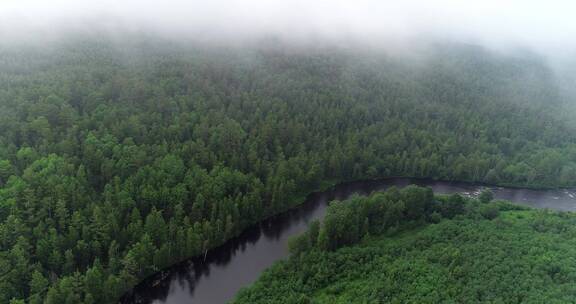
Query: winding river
[[225, 270]]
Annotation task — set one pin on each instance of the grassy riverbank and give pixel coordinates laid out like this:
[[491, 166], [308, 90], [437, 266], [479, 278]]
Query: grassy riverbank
[[488, 252]]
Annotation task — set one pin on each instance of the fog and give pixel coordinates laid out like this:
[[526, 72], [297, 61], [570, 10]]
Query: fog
[[545, 26]]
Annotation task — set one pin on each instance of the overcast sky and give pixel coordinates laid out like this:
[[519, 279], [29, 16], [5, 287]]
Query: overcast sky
[[546, 25]]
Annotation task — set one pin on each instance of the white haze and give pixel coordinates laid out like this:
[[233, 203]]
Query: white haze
[[545, 26]]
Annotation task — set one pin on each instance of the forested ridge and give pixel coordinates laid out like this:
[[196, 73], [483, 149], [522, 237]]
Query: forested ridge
[[119, 159], [407, 246]]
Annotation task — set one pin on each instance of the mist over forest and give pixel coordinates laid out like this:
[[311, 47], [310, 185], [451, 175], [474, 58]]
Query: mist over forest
[[135, 135], [407, 29]]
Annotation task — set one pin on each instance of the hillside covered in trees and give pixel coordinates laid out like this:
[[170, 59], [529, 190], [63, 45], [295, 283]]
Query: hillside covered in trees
[[119, 159], [408, 247]]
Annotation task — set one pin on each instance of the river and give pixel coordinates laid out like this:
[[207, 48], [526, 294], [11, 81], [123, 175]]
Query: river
[[226, 269]]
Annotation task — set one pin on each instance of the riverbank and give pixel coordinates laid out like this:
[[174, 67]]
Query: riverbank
[[485, 254], [267, 241]]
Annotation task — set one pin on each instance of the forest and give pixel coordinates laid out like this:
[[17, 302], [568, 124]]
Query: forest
[[406, 246], [118, 159]]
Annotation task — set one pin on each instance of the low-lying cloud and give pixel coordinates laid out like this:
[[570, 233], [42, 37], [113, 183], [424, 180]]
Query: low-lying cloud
[[547, 26]]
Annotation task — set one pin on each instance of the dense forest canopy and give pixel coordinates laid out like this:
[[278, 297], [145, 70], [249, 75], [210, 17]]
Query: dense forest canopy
[[456, 250], [119, 158]]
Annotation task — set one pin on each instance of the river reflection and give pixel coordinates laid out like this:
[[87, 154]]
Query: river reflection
[[238, 263]]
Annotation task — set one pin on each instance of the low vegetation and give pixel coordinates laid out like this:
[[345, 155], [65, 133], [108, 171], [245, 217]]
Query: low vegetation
[[410, 247]]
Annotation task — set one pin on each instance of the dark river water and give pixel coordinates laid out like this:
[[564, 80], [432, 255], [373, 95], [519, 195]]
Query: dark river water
[[238, 263]]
